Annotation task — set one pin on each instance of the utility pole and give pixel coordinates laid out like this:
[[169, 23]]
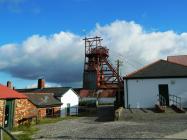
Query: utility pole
[[119, 63]]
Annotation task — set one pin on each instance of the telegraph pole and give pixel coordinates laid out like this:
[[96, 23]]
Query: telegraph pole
[[119, 63]]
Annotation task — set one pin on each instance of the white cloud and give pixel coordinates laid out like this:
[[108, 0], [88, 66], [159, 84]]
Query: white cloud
[[60, 57], [136, 45]]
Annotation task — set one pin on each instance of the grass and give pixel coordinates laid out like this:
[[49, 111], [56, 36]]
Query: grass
[[25, 132], [6, 137]]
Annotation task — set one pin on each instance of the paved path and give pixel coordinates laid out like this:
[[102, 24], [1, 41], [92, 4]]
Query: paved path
[[161, 126]]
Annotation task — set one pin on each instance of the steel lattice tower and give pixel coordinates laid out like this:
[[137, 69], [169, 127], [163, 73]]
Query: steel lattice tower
[[99, 73]]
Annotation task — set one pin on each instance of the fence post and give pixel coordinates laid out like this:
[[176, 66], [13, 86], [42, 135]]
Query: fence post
[[1, 134]]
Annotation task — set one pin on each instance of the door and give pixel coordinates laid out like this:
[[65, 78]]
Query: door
[[68, 109], [163, 91], [8, 122]]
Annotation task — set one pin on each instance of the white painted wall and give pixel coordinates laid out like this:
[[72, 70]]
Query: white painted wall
[[142, 93], [70, 97]]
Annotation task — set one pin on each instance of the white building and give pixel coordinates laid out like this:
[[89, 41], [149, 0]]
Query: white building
[[70, 101], [161, 78]]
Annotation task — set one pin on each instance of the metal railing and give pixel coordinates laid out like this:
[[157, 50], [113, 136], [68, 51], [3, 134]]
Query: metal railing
[[7, 132], [175, 100], [161, 100]]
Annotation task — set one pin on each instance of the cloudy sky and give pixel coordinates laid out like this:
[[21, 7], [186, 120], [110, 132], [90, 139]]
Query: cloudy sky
[[43, 38]]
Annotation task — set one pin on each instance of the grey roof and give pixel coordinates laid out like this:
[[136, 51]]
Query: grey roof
[[58, 91], [160, 69], [43, 99]]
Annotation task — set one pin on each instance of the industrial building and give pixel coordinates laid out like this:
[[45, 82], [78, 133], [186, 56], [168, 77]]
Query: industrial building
[[99, 73]]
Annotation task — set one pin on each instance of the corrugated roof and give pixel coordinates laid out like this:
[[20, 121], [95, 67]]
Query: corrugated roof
[[179, 59], [160, 69], [6, 93], [43, 99]]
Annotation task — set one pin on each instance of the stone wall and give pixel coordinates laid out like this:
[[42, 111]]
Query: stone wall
[[23, 109], [56, 111], [2, 109], [41, 113]]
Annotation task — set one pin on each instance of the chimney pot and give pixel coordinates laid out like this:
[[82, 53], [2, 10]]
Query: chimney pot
[[41, 83], [9, 84]]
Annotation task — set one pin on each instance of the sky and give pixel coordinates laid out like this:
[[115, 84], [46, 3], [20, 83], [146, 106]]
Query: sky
[[43, 38]]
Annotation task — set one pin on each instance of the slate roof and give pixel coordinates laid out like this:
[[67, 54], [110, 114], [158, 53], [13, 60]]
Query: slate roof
[[160, 69], [179, 59], [58, 91], [6, 93], [43, 99]]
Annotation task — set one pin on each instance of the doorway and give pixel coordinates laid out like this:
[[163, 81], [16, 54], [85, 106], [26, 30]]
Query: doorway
[[9, 113], [164, 92]]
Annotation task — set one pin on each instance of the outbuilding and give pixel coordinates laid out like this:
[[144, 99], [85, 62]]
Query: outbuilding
[[14, 107], [70, 101], [47, 105], [144, 87], [66, 95]]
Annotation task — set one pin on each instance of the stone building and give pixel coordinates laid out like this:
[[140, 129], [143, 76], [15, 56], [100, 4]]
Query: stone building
[[67, 97], [47, 105], [14, 107]]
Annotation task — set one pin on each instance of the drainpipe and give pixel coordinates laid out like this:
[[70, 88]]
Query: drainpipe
[[127, 93]]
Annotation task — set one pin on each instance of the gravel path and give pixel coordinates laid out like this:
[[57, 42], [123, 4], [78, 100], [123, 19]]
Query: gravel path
[[158, 126]]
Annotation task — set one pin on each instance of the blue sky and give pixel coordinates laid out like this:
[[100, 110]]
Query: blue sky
[[20, 19]]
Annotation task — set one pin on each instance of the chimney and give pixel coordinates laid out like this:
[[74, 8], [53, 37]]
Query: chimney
[[9, 84], [41, 83]]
